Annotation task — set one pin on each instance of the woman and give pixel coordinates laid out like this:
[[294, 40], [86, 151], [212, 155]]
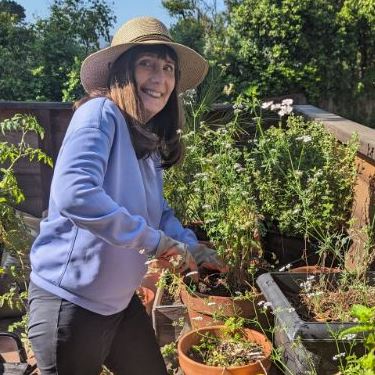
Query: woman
[[107, 213]]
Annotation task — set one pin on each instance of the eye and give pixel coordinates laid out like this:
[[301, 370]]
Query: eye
[[169, 68], [145, 62]]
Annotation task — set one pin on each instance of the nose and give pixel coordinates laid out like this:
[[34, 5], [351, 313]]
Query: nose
[[157, 75]]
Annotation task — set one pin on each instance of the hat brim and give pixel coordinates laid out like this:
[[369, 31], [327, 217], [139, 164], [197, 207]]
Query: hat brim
[[95, 68]]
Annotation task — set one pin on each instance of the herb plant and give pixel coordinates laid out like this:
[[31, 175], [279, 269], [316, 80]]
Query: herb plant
[[15, 237], [305, 178], [229, 349], [361, 365]]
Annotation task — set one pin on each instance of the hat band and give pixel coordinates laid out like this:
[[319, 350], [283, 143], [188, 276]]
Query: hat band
[[144, 38]]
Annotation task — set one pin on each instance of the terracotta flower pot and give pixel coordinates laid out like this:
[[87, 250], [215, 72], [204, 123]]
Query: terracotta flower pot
[[147, 297], [191, 367], [154, 271], [314, 269], [203, 308], [150, 279]]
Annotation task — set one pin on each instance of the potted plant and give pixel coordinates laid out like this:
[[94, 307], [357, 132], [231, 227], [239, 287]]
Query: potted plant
[[226, 348], [213, 186], [232, 224], [304, 185]]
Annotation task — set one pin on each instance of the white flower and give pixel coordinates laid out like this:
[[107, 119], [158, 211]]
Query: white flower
[[349, 336], [179, 131], [267, 305], [266, 105], [304, 138], [287, 102], [337, 356], [287, 267], [228, 89], [191, 273], [291, 309], [282, 112], [315, 294], [275, 107], [306, 287]]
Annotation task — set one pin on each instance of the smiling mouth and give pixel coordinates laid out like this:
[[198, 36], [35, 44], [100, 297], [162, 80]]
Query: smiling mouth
[[152, 93]]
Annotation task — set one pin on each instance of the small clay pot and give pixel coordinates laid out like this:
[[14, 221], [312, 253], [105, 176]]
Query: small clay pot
[[150, 279], [314, 270], [202, 307], [191, 367]]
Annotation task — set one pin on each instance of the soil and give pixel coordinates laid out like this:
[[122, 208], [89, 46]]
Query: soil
[[215, 284], [226, 352], [169, 299], [333, 297]]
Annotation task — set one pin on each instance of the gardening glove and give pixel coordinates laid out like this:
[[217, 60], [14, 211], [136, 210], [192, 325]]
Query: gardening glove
[[207, 258], [176, 253]]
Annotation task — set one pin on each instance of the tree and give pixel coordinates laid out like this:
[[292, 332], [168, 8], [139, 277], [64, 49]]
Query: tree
[[71, 32], [279, 47], [322, 48], [16, 40], [195, 20], [357, 29], [11, 7], [41, 61]]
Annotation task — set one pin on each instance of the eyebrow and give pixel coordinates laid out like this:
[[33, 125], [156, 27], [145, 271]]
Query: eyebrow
[[168, 59]]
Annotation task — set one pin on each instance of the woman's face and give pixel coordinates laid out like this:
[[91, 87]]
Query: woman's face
[[155, 81]]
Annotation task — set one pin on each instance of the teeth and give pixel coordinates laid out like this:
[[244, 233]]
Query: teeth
[[152, 93]]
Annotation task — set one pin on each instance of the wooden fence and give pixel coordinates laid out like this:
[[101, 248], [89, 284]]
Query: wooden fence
[[35, 179]]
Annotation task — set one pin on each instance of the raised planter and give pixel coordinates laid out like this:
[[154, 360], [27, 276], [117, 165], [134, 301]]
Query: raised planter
[[305, 344], [167, 318]]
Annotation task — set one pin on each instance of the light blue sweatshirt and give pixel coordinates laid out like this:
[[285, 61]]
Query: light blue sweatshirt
[[105, 211]]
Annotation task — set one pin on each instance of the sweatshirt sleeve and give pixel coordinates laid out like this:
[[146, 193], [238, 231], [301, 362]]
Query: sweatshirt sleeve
[[77, 188], [172, 227]]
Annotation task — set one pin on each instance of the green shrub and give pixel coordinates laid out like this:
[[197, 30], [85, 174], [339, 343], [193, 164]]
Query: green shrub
[[305, 178]]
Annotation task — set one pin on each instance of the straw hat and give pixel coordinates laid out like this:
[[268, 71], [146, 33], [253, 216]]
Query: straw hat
[[141, 31]]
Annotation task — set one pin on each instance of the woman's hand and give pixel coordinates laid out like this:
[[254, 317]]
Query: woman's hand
[[175, 254], [208, 258]]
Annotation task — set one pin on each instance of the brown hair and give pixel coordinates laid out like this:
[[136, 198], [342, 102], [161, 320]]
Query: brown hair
[[161, 134]]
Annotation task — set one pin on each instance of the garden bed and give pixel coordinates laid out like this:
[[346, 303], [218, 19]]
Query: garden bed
[[306, 343], [168, 317]]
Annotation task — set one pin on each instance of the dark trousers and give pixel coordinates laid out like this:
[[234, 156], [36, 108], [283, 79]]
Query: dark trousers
[[69, 340]]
